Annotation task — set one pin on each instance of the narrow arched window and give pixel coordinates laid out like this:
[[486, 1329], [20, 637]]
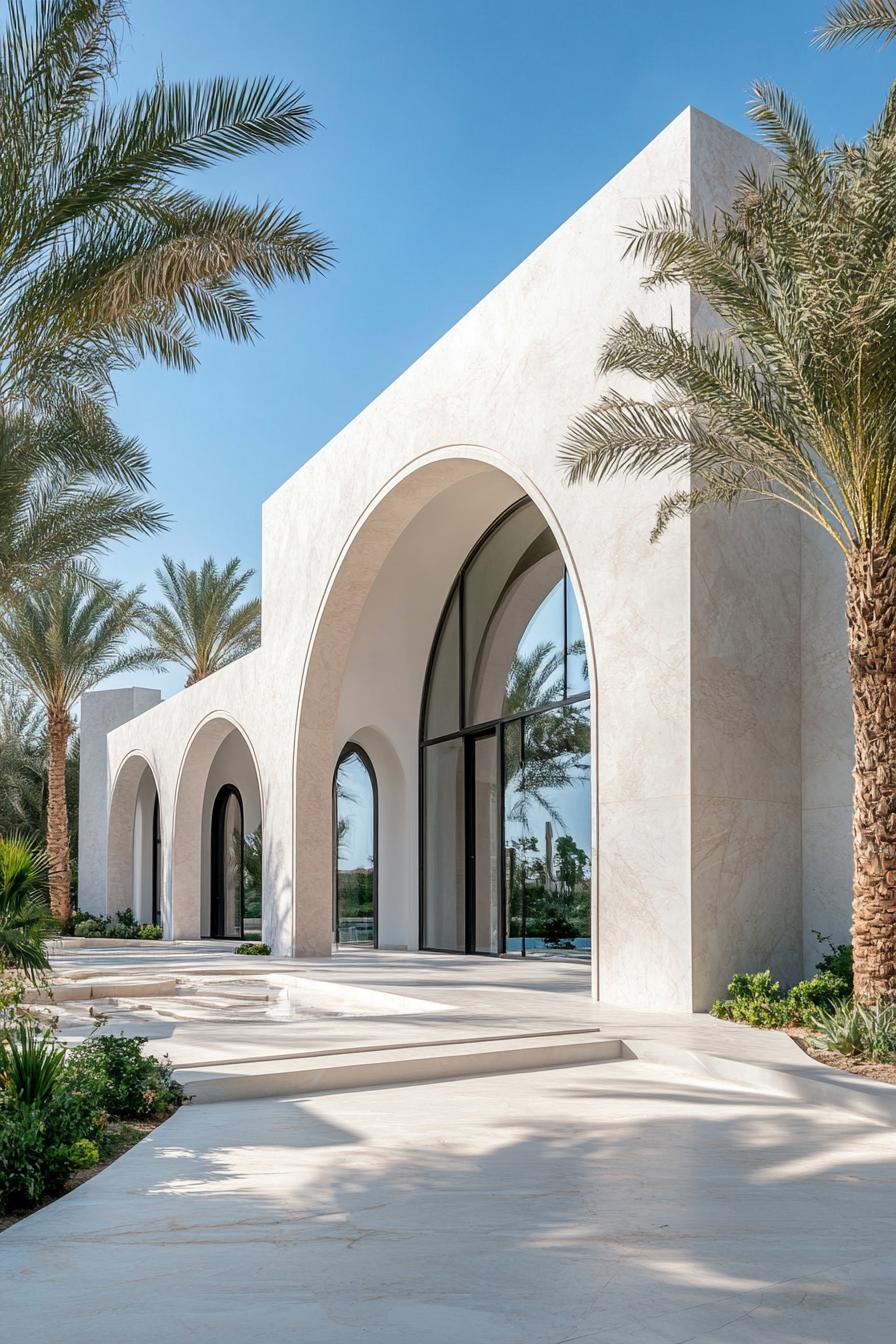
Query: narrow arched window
[[354, 848], [227, 864]]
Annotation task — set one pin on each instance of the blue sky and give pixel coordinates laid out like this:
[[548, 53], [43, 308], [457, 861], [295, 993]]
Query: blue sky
[[455, 136]]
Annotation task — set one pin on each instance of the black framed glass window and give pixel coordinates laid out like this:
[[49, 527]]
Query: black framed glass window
[[227, 864], [355, 848], [505, 754]]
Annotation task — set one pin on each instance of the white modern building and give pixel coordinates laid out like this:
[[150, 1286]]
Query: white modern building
[[487, 716]]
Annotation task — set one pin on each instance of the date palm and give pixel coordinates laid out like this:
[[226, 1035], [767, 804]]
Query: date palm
[[793, 400], [859, 20], [70, 484], [106, 256], [22, 760], [56, 643], [202, 625]]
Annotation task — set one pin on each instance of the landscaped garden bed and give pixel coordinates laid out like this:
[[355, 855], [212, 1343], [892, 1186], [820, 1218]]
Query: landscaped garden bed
[[120, 1136], [67, 1112], [820, 1015]]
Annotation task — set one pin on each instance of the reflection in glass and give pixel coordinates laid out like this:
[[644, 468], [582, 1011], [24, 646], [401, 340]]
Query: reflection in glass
[[513, 615], [227, 865], [355, 806], [444, 915], [576, 656], [252, 886], [547, 832], [485, 842], [512, 650], [443, 702]]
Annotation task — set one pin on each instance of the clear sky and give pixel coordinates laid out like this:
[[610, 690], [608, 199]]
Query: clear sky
[[455, 136]]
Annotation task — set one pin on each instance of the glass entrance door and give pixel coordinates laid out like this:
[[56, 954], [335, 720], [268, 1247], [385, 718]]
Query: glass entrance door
[[483, 831]]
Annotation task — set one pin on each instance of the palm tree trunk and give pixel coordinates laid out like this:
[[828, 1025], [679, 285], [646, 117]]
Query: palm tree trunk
[[59, 729], [871, 620]]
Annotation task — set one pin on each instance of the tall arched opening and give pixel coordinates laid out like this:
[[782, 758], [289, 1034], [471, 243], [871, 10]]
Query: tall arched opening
[[505, 754], [133, 870], [217, 889], [366, 671]]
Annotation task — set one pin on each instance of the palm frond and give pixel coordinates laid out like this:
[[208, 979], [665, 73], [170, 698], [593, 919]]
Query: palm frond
[[858, 20]]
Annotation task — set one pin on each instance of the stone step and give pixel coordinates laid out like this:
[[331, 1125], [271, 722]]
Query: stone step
[[300, 1075]]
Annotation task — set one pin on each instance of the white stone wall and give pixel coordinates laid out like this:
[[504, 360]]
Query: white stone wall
[[694, 643], [99, 713]]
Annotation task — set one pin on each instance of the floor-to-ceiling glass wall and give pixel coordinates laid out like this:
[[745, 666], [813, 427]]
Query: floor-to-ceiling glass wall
[[505, 755], [354, 810]]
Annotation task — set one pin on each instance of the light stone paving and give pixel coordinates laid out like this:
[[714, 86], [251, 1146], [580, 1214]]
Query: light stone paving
[[622, 1203], [627, 1201]]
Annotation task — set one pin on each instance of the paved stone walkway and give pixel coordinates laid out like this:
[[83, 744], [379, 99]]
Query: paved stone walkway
[[627, 1202]]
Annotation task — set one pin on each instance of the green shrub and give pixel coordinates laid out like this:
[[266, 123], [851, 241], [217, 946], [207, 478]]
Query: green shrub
[[124, 925], [30, 1064], [51, 1126], [855, 1029], [83, 1153], [89, 928], [838, 961], [755, 999], [119, 1080], [253, 950], [822, 991]]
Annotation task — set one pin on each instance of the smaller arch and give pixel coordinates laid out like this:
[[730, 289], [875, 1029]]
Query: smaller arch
[[190, 874], [355, 886], [134, 841]]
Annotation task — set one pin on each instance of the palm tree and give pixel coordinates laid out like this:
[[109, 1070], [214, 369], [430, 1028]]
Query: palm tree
[[105, 255], [24, 918], [70, 484], [56, 643], [860, 20], [22, 761], [201, 625], [795, 401]]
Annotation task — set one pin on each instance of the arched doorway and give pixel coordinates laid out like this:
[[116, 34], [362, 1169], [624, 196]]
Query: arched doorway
[[505, 760], [355, 849], [218, 755], [227, 864], [133, 846]]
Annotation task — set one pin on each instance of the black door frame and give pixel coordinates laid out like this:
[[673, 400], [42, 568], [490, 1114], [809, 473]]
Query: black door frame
[[470, 741], [216, 903], [156, 863]]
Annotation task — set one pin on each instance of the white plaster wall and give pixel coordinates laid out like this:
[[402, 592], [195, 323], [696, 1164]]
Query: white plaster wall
[[232, 764], [356, 564], [746, 908], [100, 712], [827, 746], [501, 387]]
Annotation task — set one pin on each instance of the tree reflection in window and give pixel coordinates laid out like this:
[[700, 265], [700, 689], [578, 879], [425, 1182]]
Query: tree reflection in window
[[354, 805], [510, 659]]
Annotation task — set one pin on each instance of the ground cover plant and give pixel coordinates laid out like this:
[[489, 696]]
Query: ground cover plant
[[122, 925], [253, 950]]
